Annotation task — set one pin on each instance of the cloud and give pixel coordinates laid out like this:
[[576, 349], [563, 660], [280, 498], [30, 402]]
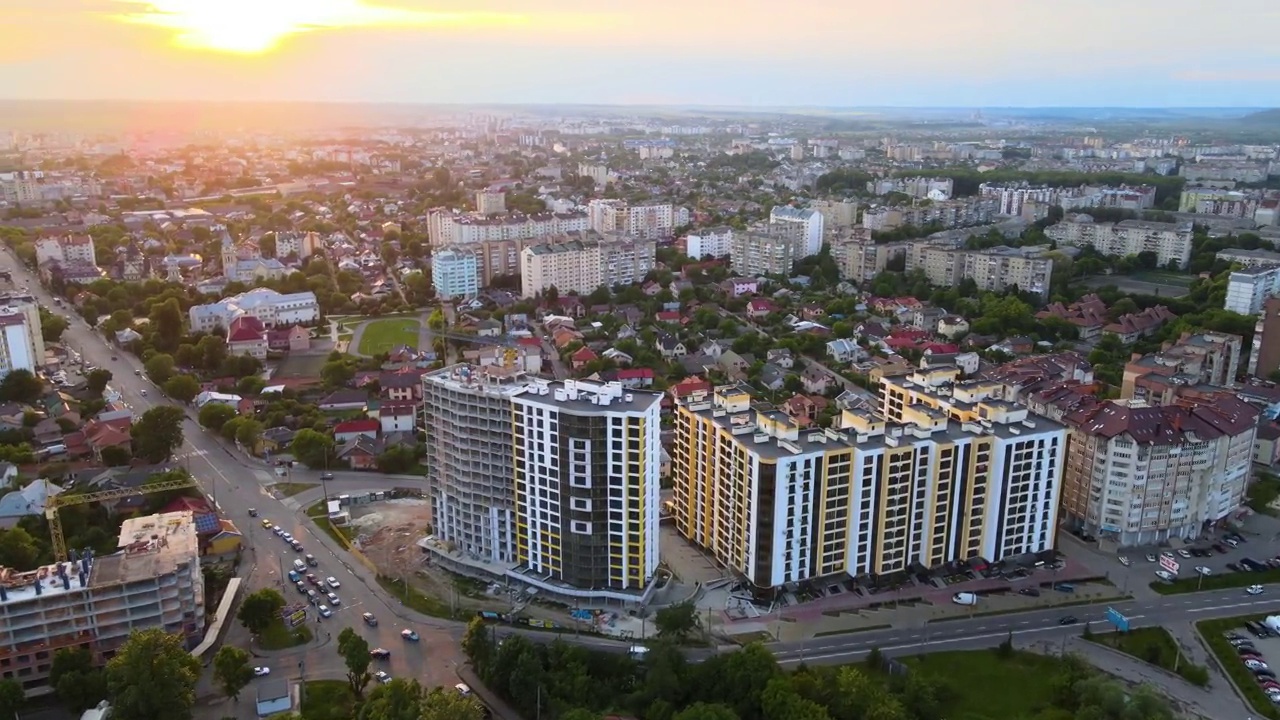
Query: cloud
[[255, 26], [1226, 76]]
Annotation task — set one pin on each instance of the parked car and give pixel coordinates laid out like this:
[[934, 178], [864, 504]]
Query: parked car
[[332, 582], [382, 677], [1222, 549], [1165, 575], [325, 611], [1203, 570], [1151, 558], [380, 654], [1183, 552], [1029, 592], [333, 599], [410, 635], [261, 671], [1124, 561]]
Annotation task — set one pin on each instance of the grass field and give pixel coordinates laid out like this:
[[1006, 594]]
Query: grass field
[[387, 334], [279, 637], [327, 700], [1156, 646], [1165, 277], [295, 365], [989, 687]]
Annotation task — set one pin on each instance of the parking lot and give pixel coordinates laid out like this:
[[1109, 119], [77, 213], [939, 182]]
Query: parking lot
[[1258, 648], [1258, 540]]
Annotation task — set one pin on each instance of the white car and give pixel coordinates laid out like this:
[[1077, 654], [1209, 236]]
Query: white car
[[1184, 553], [1203, 570], [382, 676], [332, 582], [463, 689], [1151, 558], [261, 671], [1255, 665], [1165, 575], [1253, 590], [325, 611], [334, 599], [1124, 561]]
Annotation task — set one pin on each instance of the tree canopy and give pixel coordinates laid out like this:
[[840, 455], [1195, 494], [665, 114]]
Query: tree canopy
[[153, 677], [157, 433]]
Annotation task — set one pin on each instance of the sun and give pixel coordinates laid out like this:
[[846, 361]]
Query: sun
[[253, 27]]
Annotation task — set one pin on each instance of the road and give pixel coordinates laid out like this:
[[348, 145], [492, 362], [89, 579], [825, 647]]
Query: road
[[237, 484]]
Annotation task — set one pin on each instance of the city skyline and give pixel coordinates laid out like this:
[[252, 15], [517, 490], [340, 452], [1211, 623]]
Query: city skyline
[[660, 52]]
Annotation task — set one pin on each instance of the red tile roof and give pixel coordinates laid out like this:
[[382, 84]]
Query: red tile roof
[[356, 426]]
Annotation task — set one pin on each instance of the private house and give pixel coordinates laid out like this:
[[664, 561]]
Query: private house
[[346, 431], [670, 346], [815, 381], [289, 339], [30, 500], [359, 453], [397, 417]]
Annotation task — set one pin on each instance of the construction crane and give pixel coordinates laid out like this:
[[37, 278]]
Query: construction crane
[[53, 503]]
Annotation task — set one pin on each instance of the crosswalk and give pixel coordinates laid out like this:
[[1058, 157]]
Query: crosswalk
[[190, 455]]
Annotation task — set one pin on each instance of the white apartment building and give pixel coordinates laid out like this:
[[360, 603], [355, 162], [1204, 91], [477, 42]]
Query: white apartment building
[[921, 188], [491, 203], [811, 224], [267, 305], [650, 222], [66, 250], [993, 269], [152, 581], [587, 457], [1171, 242], [709, 242], [1249, 258], [1249, 288], [755, 252], [583, 265], [301, 245], [446, 227], [782, 504], [1140, 475], [601, 175], [17, 342], [836, 214], [455, 273]]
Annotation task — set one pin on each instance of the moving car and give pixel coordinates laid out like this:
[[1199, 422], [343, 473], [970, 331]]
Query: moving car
[[369, 619], [1254, 590], [1068, 620], [325, 611], [1183, 552], [1029, 591], [261, 671], [380, 654], [266, 523], [311, 560], [1151, 558], [1164, 575], [332, 582], [382, 676], [326, 476], [463, 689], [964, 598], [143, 392], [253, 512], [410, 635], [333, 598]]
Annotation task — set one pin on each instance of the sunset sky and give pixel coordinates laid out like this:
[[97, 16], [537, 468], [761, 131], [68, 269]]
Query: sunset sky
[[715, 52]]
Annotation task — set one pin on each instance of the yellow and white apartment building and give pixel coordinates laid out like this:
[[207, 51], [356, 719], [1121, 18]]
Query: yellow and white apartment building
[[874, 496]]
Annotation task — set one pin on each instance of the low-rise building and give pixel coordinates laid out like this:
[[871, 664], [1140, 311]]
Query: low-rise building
[[268, 306], [1204, 358]]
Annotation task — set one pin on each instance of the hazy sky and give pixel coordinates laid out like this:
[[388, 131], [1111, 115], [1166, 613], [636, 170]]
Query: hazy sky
[[723, 52]]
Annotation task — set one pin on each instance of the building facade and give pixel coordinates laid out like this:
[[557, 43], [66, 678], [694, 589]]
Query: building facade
[[877, 496], [754, 253], [587, 487], [21, 334], [445, 227], [1171, 242], [583, 265], [1248, 288], [709, 242], [153, 581], [811, 226], [650, 222], [1265, 357], [268, 306], [1140, 475], [996, 269], [455, 273]]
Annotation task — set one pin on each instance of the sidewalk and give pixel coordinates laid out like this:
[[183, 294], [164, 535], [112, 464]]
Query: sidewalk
[[1217, 702], [500, 709]]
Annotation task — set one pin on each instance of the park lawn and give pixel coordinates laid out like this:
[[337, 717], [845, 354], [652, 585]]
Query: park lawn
[[289, 489], [387, 334], [327, 700], [279, 637], [988, 687], [1156, 646]]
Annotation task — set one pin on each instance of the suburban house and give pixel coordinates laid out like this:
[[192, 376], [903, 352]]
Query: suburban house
[[343, 400], [952, 326], [844, 350], [289, 339], [360, 453], [815, 381], [758, 308], [670, 346], [247, 336], [351, 429], [781, 357], [396, 416], [30, 500]]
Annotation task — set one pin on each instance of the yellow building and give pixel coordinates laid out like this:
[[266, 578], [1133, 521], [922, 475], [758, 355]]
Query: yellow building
[[877, 495]]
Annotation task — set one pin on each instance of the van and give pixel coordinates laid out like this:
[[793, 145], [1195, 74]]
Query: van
[[299, 566], [964, 598]]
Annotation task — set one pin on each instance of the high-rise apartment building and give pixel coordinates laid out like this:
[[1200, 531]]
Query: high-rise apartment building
[[583, 263], [758, 252], [810, 227], [446, 227], [1171, 242], [455, 273], [781, 504], [1203, 358], [651, 222], [21, 335], [1139, 475], [1248, 288], [491, 203], [587, 490], [709, 242], [153, 581], [993, 269], [66, 250], [552, 485], [1265, 358]]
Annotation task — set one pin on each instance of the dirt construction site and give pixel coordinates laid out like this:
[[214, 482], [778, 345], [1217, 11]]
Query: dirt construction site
[[387, 533]]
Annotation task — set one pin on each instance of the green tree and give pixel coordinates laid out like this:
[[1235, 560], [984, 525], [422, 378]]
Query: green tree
[[436, 320], [116, 456], [214, 415], [166, 324], [183, 388], [399, 699], [12, 698], [157, 433], [96, 381], [159, 368], [354, 650], [337, 373], [706, 711], [398, 459], [18, 549], [21, 386], [448, 704], [52, 326], [477, 644], [260, 609], [211, 352], [153, 677], [77, 683], [312, 448], [232, 670], [249, 432], [677, 621]]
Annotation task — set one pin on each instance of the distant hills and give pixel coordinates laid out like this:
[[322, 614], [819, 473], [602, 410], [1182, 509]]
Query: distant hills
[[1265, 117]]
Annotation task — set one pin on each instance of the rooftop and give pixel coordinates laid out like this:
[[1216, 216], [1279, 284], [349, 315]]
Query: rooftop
[[150, 546], [584, 396]]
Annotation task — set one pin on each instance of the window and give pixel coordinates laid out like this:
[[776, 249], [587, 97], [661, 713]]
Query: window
[[581, 528], [582, 504]]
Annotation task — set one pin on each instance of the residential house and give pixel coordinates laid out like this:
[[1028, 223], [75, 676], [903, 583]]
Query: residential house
[[781, 357], [952, 326], [8, 473], [739, 286], [635, 378], [733, 363], [1133, 326], [30, 500], [844, 350], [758, 308], [617, 356], [713, 349], [210, 396], [670, 346], [274, 441], [346, 431], [772, 377], [927, 318], [672, 317], [966, 362], [360, 453], [289, 339], [580, 357], [1088, 315], [697, 364], [815, 381], [688, 386], [805, 409], [1017, 345], [396, 416], [343, 400], [223, 546], [1266, 449], [247, 336], [488, 328], [401, 385]]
